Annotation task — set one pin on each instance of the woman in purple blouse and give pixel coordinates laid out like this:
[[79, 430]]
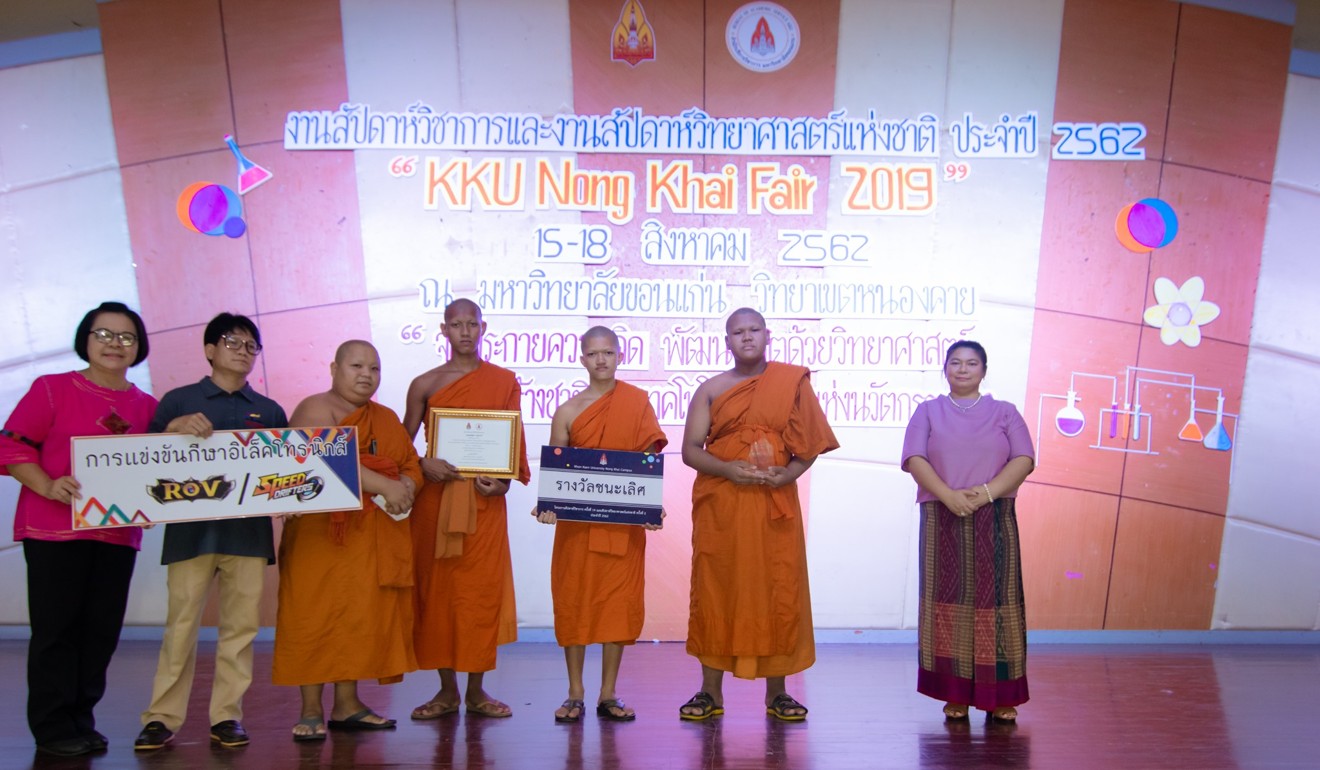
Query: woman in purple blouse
[[77, 580], [969, 454]]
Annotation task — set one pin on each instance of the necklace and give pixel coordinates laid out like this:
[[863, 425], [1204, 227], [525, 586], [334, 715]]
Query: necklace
[[969, 406]]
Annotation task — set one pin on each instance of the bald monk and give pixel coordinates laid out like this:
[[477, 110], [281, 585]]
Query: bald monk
[[346, 596], [751, 432], [464, 574], [597, 571]]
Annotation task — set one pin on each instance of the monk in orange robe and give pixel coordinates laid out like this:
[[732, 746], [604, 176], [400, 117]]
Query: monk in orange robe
[[598, 571], [346, 582], [465, 606], [750, 433]]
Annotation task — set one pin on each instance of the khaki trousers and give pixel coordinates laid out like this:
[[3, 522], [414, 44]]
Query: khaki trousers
[[240, 596]]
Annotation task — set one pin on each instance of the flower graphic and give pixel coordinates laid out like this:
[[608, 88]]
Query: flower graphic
[[1181, 312]]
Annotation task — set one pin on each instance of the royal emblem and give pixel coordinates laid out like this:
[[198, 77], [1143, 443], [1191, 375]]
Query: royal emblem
[[633, 40]]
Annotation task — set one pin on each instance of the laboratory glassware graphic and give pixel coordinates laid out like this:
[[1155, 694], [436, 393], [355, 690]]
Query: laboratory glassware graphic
[[250, 175], [1218, 438], [1070, 421], [1134, 428], [1191, 431]]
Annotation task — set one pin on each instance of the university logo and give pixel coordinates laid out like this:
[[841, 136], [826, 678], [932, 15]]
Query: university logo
[[171, 491], [633, 40], [763, 36], [300, 485]]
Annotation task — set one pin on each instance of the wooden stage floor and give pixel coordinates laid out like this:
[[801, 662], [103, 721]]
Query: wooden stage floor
[[1113, 706]]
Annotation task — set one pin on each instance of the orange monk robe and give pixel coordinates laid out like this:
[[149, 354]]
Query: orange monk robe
[[346, 582], [750, 604], [465, 606], [598, 571]]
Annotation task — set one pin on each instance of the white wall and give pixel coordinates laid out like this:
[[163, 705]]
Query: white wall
[[1270, 565], [63, 250]]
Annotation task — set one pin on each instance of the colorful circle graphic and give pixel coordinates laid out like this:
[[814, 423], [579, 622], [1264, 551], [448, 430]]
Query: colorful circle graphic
[[1146, 225], [211, 209]]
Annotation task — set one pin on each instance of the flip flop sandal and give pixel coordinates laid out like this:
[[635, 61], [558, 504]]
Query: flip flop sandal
[[490, 709], [313, 723], [703, 701], [425, 712], [569, 718], [606, 708], [359, 721], [782, 704]]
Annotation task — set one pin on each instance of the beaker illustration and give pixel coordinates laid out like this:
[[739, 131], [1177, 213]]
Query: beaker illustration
[[1218, 438], [1191, 431], [1070, 419]]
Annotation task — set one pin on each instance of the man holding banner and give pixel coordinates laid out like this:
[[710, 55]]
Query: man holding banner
[[233, 552], [346, 578], [460, 528], [751, 432], [597, 571]]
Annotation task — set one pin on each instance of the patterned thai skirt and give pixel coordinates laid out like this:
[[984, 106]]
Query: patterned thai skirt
[[972, 627]]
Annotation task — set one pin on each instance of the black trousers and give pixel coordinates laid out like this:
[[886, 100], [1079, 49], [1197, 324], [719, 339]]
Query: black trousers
[[77, 593]]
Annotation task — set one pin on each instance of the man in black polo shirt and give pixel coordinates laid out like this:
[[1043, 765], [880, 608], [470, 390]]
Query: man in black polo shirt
[[234, 550]]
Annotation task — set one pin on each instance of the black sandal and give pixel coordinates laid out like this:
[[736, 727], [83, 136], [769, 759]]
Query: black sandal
[[606, 708], [569, 718], [782, 704], [705, 703]]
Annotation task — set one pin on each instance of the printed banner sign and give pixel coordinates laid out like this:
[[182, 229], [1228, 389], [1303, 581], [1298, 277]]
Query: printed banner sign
[[167, 477], [603, 486]]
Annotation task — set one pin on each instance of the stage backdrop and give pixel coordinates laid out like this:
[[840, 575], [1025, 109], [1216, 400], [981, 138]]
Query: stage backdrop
[[1082, 186]]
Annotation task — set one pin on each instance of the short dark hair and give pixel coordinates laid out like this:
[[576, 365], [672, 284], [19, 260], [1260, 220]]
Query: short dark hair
[[229, 322], [85, 330], [971, 345]]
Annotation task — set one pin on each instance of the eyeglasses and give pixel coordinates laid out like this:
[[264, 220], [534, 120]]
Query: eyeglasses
[[105, 337], [234, 343]]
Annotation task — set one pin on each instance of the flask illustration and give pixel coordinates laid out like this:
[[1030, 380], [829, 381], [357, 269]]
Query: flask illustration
[[1070, 419]]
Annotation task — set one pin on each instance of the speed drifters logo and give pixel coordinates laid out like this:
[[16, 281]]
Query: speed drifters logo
[[299, 485], [763, 37]]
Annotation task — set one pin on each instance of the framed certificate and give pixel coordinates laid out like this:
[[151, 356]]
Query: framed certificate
[[479, 442]]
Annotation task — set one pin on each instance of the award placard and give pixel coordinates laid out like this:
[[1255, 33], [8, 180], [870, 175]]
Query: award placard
[[155, 478], [604, 486], [479, 442]]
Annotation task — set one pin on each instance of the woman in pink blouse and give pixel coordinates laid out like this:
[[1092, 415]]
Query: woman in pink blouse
[[77, 580], [969, 454]]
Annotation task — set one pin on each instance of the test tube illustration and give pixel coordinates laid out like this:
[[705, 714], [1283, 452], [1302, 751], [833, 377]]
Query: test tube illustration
[[1136, 416]]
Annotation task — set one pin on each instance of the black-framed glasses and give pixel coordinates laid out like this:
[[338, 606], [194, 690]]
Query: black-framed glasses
[[105, 337], [234, 343]]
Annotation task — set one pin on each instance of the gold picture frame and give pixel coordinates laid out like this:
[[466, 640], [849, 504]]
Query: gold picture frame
[[479, 442]]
